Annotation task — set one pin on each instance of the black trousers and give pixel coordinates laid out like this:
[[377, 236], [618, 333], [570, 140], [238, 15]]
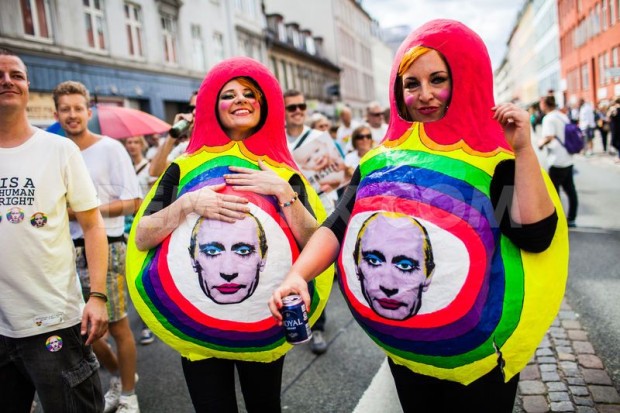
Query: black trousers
[[563, 178], [422, 394], [211, 385]]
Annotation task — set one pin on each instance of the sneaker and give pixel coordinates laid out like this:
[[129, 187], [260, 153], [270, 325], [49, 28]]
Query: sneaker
[[572, 224], [146, 337], [113, 395], [128, 404], [318, 345]]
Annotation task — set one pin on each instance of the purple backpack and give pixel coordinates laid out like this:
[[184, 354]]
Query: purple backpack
[[574, 140]]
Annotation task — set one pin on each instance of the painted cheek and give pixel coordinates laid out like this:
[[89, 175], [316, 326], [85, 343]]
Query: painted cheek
[[444, 95], [225, 105], [409, 101], [255, 104]]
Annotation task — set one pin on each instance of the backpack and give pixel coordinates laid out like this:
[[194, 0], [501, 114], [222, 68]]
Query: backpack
[[573, 138]]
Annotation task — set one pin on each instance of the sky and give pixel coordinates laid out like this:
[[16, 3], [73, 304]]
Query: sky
[[493, 20]]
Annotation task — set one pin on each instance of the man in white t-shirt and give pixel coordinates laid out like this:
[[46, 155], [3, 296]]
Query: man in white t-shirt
[[46, 330], [560, 161], [374, 118], [112, 172], [347, 125], [296, 134]]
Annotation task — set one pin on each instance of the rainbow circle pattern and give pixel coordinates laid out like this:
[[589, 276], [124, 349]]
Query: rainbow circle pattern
[[493, 302], [161, 283]]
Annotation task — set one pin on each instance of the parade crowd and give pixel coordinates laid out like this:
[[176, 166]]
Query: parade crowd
[[76, 210]]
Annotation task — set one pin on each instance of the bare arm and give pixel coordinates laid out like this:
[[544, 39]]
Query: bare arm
[[531, 201], [207, 202], [159, 163], [318, 254], [120, 207], [267, 182], [96, 247]]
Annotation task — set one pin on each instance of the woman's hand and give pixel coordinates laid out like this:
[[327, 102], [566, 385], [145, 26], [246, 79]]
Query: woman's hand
[[264, 182], [292, 284], [516, 124], [209, 203]]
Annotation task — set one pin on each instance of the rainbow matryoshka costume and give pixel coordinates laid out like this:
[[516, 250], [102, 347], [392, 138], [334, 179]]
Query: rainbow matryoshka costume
[[163, 282], [489, 302]]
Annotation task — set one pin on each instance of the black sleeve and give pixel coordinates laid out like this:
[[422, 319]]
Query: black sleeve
[[298, 186], [535, 237], [337, 222], [166, 192]]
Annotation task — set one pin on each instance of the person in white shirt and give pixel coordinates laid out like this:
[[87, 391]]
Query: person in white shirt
[[374, 118], [46, 329], [587, 124], [560, 161], [296, 133], [112, 172], [347, 124]]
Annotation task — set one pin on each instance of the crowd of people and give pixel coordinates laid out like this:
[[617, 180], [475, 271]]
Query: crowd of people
[[267, 209]]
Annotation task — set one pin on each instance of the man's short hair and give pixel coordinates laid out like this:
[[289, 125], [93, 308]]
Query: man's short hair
[[70, 87], [8, 52], [550, 101], [292, 93]]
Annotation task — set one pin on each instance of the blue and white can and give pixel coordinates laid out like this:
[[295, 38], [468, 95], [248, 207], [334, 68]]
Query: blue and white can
[[295, 320]]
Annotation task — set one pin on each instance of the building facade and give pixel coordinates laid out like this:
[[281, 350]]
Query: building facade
[[590, 49], [531, 67], [298, 60], [146, 54], [345, 28]]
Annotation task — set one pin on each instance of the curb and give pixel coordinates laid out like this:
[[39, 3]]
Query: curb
[[565, 375]]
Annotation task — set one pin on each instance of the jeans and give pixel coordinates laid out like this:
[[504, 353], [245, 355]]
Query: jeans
[[488, 394], [64, 376], [211, 385], [563, 177]]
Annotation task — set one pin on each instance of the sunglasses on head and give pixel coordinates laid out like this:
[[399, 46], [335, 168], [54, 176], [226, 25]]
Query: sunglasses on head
[[294, 107], [363, 136]]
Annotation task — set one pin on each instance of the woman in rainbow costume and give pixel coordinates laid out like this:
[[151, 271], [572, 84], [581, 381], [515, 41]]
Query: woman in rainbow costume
[[451, 242], [217, 233]]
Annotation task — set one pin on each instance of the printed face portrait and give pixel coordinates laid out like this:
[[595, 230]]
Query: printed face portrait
[[38, 220], [427, 88], [314, 155], [53, 343], [394, 263], [228, 257], [15, 215]]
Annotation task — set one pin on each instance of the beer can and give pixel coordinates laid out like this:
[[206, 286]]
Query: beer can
[[295, 320]]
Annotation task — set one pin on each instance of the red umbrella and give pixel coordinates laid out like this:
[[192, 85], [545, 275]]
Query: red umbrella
[[120, 122]]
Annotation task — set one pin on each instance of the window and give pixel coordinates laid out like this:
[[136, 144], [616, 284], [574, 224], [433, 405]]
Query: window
[[133, 23], [218, 47], [602, 65], [198, 55], [35, 14], [585, 77], [169, 35], [95, 28]]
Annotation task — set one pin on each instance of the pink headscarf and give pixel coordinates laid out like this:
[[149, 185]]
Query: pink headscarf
[[469, 116], [270, 139]]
